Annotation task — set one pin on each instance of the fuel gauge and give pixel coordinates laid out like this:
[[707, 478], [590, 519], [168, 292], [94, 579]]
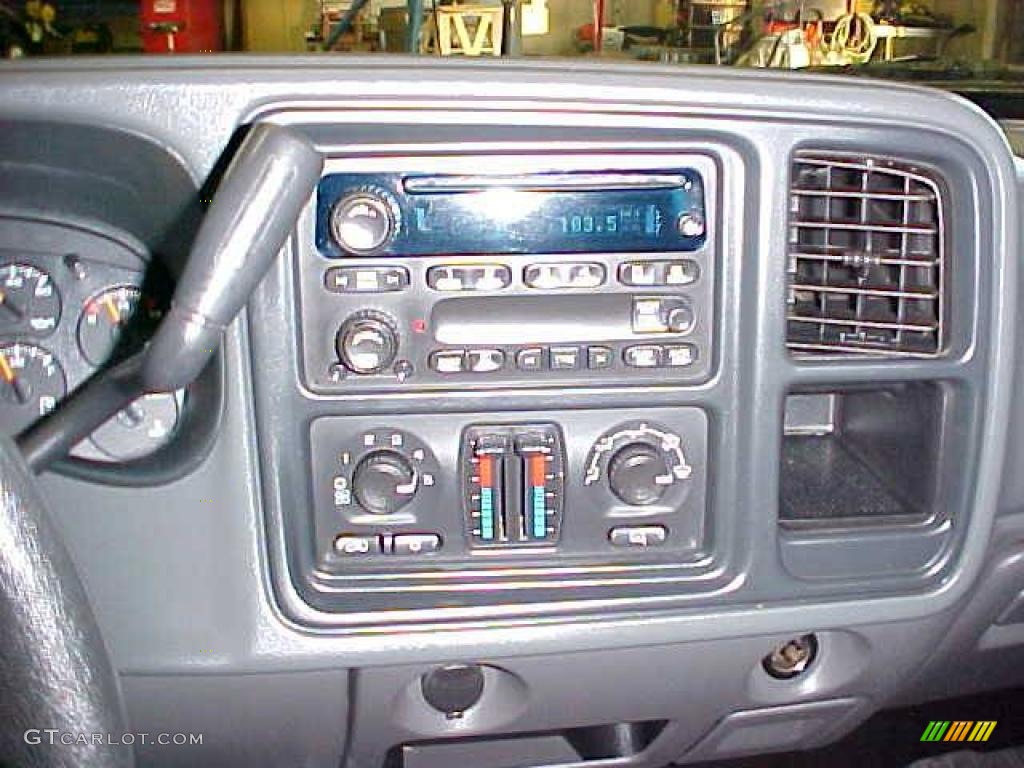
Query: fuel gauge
[[116, 322]]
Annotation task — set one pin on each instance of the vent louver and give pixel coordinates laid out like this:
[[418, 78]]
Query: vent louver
[[866, 257]]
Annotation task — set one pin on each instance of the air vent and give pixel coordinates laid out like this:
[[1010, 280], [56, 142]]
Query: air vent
[[866, 257]]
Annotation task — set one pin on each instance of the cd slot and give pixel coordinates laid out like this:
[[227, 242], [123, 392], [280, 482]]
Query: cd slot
[[571, 182]]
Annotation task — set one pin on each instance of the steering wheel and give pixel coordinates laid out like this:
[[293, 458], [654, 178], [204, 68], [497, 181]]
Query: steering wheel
[[60, 704], [57, 684]]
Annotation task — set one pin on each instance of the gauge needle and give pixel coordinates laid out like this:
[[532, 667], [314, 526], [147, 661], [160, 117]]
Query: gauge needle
[[20, 391], [115, 315]]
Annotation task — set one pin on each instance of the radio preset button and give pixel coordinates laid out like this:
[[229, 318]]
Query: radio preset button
[[683, 272], [639, 273], [469, 277], [531, 359], [485, 360], [642, 356], [564, 275], [599, 358], [415, 543], [643, 274], [366, 279], [680, 355], [448, 361], [565, 358]]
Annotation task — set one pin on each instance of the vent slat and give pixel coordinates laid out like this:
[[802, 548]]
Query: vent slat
[[857, 226], [860, 322], [847, 290], [866, 257]]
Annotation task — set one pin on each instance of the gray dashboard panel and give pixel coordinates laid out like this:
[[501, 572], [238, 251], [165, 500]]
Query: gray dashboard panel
[[179, 574]]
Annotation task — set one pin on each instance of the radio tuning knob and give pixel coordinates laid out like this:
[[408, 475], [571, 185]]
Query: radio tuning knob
[[364, 221], [633, 474], [367, 342], [384, 482]]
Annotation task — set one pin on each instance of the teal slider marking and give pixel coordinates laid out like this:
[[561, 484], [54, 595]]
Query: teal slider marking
[[539, 513], [487, 513]]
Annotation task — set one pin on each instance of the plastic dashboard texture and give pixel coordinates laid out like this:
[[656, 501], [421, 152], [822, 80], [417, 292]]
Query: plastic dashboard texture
[[216, 536]]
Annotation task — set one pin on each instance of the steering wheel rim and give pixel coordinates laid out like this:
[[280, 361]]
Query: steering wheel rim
[[57, 683]]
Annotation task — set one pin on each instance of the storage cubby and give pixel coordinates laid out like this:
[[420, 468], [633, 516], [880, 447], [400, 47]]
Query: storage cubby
[[865, 456]]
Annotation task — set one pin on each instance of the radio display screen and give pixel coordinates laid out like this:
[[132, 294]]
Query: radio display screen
[[663, 211]]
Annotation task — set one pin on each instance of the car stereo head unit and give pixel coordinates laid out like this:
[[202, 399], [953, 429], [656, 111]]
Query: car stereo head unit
[[419, 215], [415, 274]]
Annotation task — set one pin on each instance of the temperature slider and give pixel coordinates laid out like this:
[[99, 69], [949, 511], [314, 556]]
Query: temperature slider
[[514, 484]]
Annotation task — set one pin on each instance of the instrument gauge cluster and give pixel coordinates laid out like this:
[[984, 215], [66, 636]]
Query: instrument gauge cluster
[[63, 317]]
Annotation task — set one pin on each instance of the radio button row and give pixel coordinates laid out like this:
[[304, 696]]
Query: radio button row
[[658, 356], [366, 279], [659, 273], [469, 277], [573, 274]]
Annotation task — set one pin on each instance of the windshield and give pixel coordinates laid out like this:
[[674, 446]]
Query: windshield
[[972, 47]]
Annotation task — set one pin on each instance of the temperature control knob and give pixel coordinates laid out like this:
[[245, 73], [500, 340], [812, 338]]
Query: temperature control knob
[[384, 482], [365, 221], [634, 472], [367, 342]]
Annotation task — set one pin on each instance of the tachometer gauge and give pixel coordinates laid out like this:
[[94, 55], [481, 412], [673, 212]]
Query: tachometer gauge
[[29, 301], [31, 384], [115, 322]]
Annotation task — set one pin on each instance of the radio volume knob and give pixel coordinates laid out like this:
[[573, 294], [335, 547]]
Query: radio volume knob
[[364, 221], [633, 474], [367, 343]]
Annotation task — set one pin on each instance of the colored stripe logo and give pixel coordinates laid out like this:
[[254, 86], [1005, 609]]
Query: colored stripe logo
[[958, 730]]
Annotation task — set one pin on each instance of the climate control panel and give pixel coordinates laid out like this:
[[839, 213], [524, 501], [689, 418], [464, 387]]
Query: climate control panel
[[466, 490]]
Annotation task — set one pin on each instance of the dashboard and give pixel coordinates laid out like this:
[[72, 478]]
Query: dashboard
[[603, 416]]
